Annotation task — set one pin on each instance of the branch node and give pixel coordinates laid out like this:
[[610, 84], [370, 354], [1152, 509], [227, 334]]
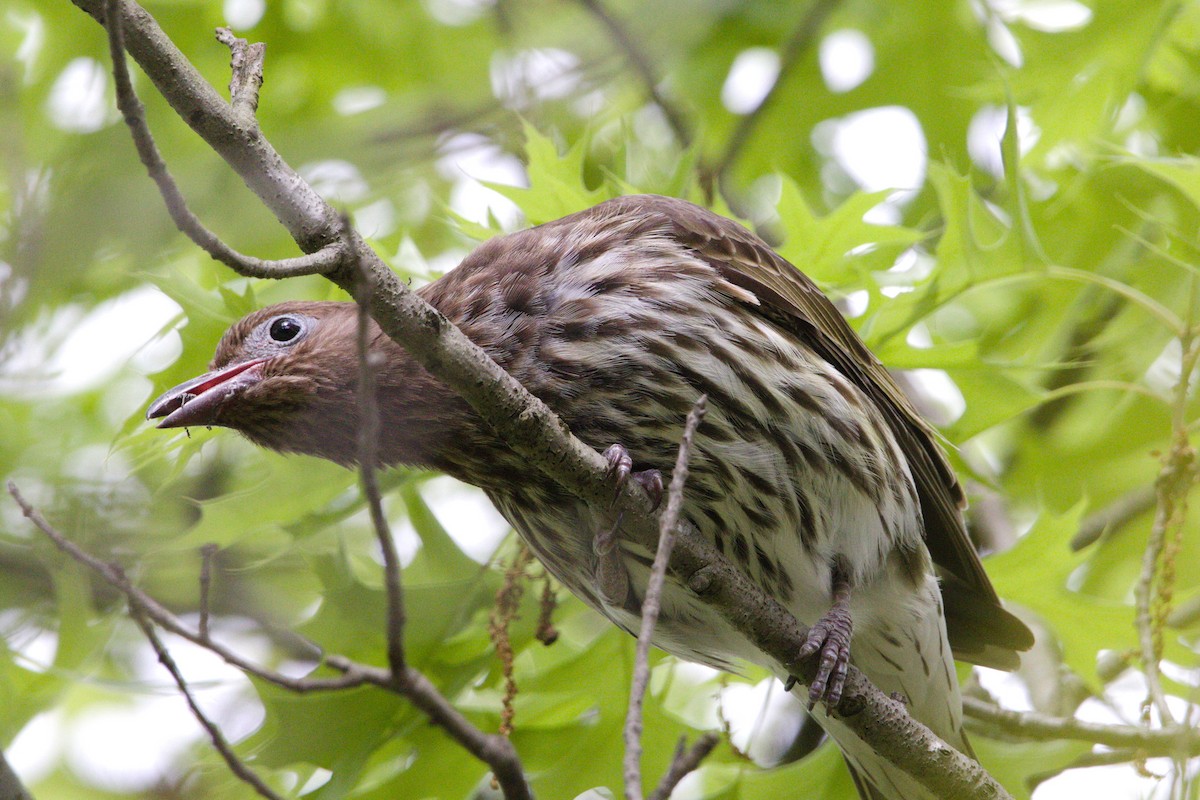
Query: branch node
[[246, 72]]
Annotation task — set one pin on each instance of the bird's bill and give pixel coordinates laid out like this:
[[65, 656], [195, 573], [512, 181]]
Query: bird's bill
[[196, 402]]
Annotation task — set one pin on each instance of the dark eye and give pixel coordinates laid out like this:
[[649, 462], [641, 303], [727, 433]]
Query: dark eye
[[285, 329]]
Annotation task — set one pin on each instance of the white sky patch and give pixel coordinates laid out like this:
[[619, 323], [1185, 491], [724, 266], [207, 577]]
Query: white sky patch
[[986, 132], [879, 148], [78, 100], [33, 645], [1163, 373], [76, 349], [469, 158], [457, 12], [847, 59], [32, 28], [763, 719], [1003, 42], [357, 99], [37, 749], [526, 77], [376, 219], [467, 515], [335, 180], [1048, 16], [108, 750], [750, 78], [243, 14]]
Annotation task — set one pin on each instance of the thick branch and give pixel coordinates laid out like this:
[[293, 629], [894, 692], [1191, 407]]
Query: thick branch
[[527, 424]]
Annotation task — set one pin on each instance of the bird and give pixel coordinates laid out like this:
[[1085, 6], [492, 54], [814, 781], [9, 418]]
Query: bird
[[811, 472]]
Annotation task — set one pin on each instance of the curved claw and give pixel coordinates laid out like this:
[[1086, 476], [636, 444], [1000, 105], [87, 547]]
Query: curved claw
[[620, 468], [831, 638]]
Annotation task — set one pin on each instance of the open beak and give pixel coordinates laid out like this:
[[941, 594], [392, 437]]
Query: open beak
[[196, 402]]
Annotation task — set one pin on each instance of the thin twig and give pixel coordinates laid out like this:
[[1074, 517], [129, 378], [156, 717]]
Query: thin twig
[[368, 463], [1114, 516], [645, 70], [684, 762], [321, 261], [236, 765], [799, 42], [1032, 726], [653, 601], [206, 558], [114, 576], [495, 751]]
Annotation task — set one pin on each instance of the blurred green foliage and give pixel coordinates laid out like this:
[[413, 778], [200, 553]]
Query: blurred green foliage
[[1045, 263]]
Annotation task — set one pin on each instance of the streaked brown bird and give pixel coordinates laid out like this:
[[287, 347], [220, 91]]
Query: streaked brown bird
[[811, 471]]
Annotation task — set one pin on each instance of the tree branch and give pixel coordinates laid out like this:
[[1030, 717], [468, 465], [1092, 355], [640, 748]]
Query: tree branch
[[1118, 514], [495, 751], [368, 463], [526, 423], [800, 40], [642, 66], [319, 261], [236, 765], [1032, 726]]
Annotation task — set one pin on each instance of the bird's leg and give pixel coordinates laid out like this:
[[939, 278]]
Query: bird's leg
[[611, 578], [831, 637], [620, 468]]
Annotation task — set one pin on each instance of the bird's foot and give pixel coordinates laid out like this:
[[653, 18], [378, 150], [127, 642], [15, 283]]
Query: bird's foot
[[611, 577], [620, 468], [830, 637]]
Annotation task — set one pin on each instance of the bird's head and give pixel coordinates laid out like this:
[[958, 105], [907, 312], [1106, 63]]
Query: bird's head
[[285, 376]]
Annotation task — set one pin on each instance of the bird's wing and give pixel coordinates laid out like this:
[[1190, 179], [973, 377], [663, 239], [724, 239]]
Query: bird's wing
[[977, 623]]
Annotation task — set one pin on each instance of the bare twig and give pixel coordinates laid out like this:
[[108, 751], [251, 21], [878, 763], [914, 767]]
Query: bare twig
[[495, 751], [114, 576], [206, 558], [684, 762], [245, 71], [1032, 726], [368, 463], [652, 602], [323, 260], [236, 765], [642, 66], [1113, 517], [798, 43]]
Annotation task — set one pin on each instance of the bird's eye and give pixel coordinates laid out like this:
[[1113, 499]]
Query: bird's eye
[[285, 329]]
